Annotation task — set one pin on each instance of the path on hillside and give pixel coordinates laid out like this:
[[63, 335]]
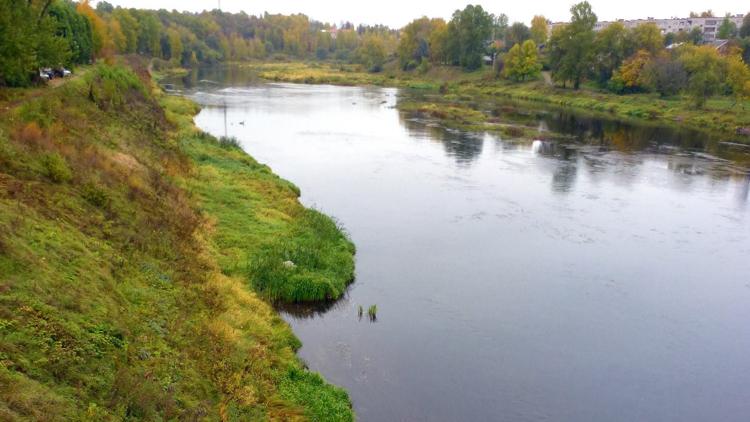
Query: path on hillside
[[41, 90]]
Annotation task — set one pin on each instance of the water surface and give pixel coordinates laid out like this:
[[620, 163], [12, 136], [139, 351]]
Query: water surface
[[606, 278]]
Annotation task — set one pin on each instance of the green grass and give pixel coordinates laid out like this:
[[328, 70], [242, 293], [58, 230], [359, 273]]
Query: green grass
[[313, 261], [121, 295], [259, 224]]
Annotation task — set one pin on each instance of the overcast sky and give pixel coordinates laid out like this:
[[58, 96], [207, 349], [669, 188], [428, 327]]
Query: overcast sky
[[397, 13]]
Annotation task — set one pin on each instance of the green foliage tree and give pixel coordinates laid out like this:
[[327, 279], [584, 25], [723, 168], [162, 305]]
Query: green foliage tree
[[75, 28], [611, 48], [572, 47], [29, 38], [745, 28], [517, 34], [469, 31], [522, 62], [727, 29], [539, 29]]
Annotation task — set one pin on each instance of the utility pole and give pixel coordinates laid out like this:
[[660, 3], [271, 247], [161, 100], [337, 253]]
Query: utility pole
[[219, 5]]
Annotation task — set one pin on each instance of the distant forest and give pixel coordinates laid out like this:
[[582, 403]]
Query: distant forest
[[49, 33]]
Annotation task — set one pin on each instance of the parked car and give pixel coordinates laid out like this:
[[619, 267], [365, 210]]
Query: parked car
[[49, 72], [62, 72], [43, 75]]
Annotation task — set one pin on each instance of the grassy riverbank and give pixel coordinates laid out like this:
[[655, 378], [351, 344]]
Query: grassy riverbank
[[129, 246], [461, 90]]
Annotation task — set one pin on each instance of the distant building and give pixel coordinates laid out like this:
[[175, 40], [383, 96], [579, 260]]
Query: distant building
[[709, 26]]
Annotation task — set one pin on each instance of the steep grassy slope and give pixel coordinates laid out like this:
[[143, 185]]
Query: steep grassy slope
[[113, 300]]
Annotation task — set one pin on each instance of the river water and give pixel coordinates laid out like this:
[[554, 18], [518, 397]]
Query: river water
[[605, 278]]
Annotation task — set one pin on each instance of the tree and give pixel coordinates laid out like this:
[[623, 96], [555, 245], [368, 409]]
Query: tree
[[610, 50], [745, 28], [175, 46], [539, 29], [522, 62], [469, 30], [707, 14], [727, 29], [415, 42], [129, 28], [75, 28], [499, 26], [573, 47], [372, 53], [664, 75], [104, 7], [630, 75], [517, 34], [29, 39], [738, 78], [439, 42], [103, 45], [705, 72], [647, 37]]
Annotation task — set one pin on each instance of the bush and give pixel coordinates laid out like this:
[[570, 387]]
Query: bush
[[109, 86], [56, 168], [423, 67], [95, 195]]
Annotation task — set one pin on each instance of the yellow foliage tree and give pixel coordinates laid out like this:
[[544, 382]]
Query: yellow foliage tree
[[539, 29], [738, 78], [104, 46]]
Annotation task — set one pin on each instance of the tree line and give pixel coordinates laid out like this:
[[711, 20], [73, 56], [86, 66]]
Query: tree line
[[42, 33]]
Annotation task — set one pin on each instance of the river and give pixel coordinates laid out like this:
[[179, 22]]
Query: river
[[604, 278]]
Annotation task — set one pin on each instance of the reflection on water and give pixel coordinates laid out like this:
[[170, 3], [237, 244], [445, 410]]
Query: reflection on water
[[597, 275]]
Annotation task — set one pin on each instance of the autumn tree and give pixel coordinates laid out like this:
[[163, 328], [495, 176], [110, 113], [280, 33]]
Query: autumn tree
[[646, 37], [705, 72], [101, 37], [539, 29], [629, 77], [522, 62], [372, 53], [415, 43], [738, 78]]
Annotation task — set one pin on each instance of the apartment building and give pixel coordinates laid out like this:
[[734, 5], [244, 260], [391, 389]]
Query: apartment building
[[708, 26]]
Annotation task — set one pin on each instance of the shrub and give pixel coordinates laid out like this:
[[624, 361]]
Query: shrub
[[29, 134], [56, 168], [109, 86], [95, 195]]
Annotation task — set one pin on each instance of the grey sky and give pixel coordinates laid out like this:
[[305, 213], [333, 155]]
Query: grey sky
[[396, 13]]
